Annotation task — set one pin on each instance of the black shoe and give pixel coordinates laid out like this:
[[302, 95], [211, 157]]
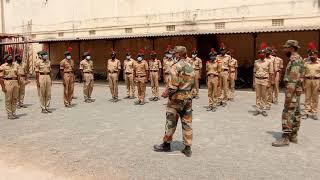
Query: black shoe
[[164, 147], [127, 97], [256, 113], [137, 102], [48, 111], [152, 99], [264, 113], [44, 111], [156, 99], [142, 103], [224, 104], [214, 109], [187, 151], [115, 99], [209, 108]]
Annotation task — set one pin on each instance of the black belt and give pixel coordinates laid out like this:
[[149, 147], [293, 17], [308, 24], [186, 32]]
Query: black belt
[[10, 78], [128, 73], [141, 76], [226, 70], [87, 72], [154, 70], [68, 72], [312, 78], [212, 75], [261, 77], [22, 75], [44, 73]]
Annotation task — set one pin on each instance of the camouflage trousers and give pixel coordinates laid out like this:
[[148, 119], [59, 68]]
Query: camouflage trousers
[[179, 109], [291, 115]]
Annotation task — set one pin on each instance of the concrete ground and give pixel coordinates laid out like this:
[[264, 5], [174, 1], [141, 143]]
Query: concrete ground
[[104, 140]]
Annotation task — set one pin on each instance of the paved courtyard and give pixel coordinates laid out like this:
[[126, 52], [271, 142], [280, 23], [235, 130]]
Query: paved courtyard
[[104, 140]]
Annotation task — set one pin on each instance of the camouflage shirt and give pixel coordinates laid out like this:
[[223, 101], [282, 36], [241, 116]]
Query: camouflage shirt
[[181, 80], [294, 72]]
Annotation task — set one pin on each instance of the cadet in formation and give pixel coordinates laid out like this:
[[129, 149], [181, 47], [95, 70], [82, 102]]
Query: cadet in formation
[[113, 71], [23, 80], [67, 75], [223, 91], [278, 66], [233, 75], [197, 66], [155, 75], [167, 63], [140, 71], [128, 65], [86, 68]]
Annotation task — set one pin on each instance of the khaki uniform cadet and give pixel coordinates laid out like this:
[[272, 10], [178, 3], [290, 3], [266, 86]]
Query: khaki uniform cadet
[[140, 71], [86, 67], [233, 76], [22, 73], [155, 75], [312, 83], [113, 70], [38, 60], [278, 66], [10, 86], [43, 73], [224, 59], [179, 104], [213, 68], [197, 66], [167, 63], [291, 115], [263, 71], [128, 76], [67, 74], [271, 84]]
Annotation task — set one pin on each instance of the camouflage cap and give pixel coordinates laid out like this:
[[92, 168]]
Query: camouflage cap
[[41, 53], [268, 50], [180, 49], [291, 43]]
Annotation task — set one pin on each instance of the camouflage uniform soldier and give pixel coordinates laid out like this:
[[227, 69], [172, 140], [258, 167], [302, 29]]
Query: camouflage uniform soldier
[[278, 66], [10, 85], [67, 74], [128, 75], [180, 102], [213, 68], [140, 73], [312, 83], [167, 63], [197, 66], [155, 69], [224, 59], [86, 67], [233, 74], [293, 83], [113, 70], [263, 71], [23, 80], [43, 75]]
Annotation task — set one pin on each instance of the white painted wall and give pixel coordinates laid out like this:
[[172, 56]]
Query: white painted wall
[[66, 15]]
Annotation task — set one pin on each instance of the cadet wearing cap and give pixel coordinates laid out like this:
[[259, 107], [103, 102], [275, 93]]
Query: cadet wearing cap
[[113, 71], [268, 52], [278, 66], [23, 79], [128, 75], [197, 66], [86, 68], [224, 59], [10, 86], [312, 82], [43, 75], [155, 74], [167, 63], [179, 89], [140, 71], [293, 83], [213, 68], [262, 71], [67, 74], [233, 76]]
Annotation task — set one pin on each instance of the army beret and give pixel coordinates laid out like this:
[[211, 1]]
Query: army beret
[[66, 53], [86, 54]]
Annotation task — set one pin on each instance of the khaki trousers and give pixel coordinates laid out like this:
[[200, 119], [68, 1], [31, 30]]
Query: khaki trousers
[[130, 85], [68, 88], [311, 95], [11, 96], [22, 90], [212, 83], [45, 91], [261, 97], [224, 85], [87, 85], [154, 77], [141, 85], [113, 84]]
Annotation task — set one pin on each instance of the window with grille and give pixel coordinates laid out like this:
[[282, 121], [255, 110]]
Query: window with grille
[[171, 28], [33, 36], [60, 34], [277, 22], [128, 30], [220, 25], [92, 32]]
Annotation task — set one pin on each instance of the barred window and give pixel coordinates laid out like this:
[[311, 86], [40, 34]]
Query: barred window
[[171, 28], [92, 32], [220, 25], [33, 36], [128, 30], [277, 22], [60, 34]]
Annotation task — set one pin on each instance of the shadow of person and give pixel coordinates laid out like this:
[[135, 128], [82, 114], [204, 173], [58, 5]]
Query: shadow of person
[[252, 111], [177, 146], [276, 135], [21, 115]]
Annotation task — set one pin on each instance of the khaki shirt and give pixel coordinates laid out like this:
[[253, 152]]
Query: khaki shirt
[[213, 68], [167, 65], [128, 66], [140, 68], [278, 64], [262, 69], [86, 66], [225, 61], [312, 69], [155, 65], [22, 68], [113, 66], [43, 66], [9, 71], [233, 65], [67, 65], [196, 63]]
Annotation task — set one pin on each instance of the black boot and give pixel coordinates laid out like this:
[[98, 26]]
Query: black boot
[[187, 151], [164, 147]]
